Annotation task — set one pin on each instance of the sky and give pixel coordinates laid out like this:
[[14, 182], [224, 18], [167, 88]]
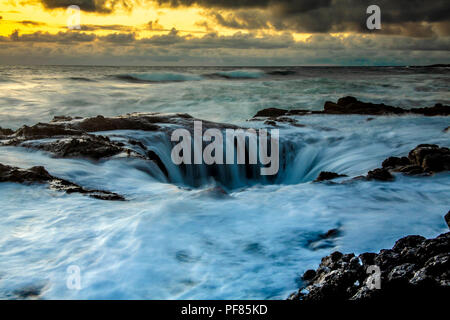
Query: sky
[[224, 32]]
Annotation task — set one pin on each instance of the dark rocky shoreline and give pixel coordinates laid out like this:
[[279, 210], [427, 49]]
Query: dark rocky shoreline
[[351, 105], [423, 160], [415, 268]]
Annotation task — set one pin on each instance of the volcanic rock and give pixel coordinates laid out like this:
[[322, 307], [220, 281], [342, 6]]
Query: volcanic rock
[[414, 268], [39, 174]]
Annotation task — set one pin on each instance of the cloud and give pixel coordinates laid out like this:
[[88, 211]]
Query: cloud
[[415, 18], [107, 27], [98, 6], [60, 37], [31, 23], [155, 26], [404, 17]]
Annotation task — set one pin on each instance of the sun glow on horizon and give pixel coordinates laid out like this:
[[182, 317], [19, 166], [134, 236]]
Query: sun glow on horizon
[[143, 21]]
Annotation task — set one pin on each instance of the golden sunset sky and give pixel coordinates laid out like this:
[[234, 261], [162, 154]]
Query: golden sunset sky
[[192, 32]]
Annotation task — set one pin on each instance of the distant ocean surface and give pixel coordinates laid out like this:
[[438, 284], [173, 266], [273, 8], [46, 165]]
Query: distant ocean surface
[[31, 94], [175, 241]]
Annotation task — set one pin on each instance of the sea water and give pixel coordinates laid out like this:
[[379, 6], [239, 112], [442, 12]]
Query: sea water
[[172, 240]]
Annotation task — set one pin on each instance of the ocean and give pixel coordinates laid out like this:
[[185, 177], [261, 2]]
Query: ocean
[[176, 239]]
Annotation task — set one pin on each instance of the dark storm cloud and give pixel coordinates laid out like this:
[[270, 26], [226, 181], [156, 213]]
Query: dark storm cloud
[[99, 6], [313, 16], [119, 38], [324, 15], [294, 5], [107, 27], [31, 23], [60, 37]]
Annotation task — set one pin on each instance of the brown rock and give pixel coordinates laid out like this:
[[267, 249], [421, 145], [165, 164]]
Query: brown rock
[[326, 175], [271, 112], [38, 174], [380, 175]]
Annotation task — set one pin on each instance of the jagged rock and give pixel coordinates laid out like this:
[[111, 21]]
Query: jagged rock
[[270, 112], [424, 159], [63, 118], [326, 175], [309, 275], [5, 131], [89, 146], [44, 130], [380, 175], [414, 268], [430, 157], [39, 174], [394, 162], [437, 110], [351, 105]]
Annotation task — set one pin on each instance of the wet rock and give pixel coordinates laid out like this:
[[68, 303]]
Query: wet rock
[[332, 233], [300, 112], [6, 132], [414, 268], [29, 292], [129, 122], [367, 258], [270, 123], [407, 242], [394, 162], [326, 175], [430, 157], [39, 174], [437, 110], [425, 159], [86, 146], [63, 118], [309, 275], [271, 112], [137, 143], [275, 114], [447, 218], [45, 130], [380, 175], [350, 105]]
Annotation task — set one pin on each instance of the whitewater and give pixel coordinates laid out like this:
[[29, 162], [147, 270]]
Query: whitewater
[[179, 238]]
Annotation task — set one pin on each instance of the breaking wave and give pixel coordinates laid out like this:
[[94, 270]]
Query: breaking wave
[[158, 77], [237, 74]]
